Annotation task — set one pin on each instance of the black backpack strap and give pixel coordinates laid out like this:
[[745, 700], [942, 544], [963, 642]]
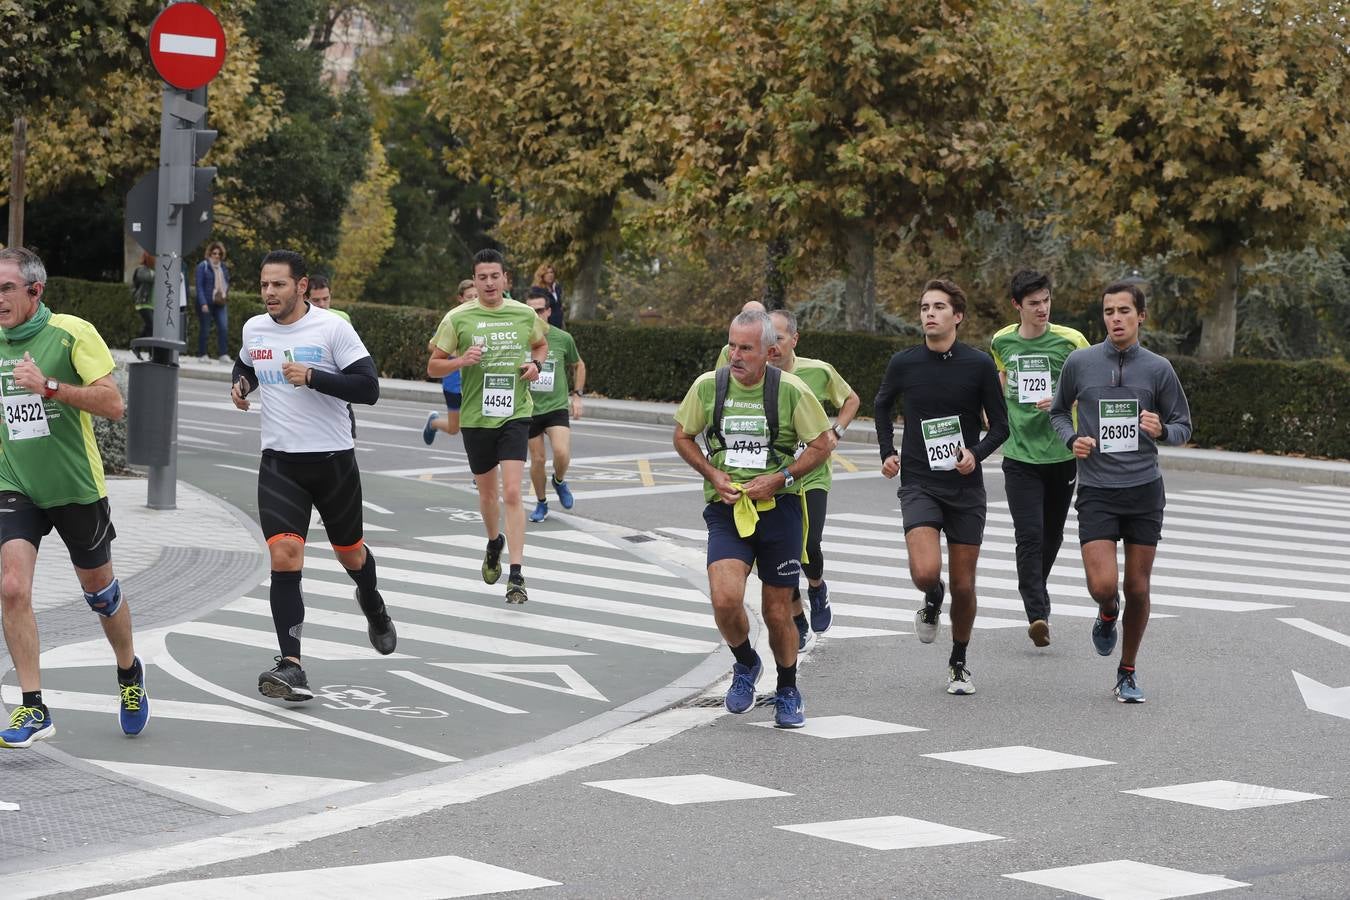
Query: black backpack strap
[[721, 384], [772, 376]]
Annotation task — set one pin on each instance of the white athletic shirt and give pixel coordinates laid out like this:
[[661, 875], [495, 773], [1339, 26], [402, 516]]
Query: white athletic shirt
[[300, 419]]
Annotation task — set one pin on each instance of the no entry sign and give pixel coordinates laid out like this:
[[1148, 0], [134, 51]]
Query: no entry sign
[[187, 45]]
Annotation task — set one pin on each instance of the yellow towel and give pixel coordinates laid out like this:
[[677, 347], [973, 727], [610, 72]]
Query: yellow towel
[[747, 511]]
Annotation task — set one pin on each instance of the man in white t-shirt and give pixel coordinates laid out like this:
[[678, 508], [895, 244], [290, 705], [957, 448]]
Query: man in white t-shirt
[[309, 365]]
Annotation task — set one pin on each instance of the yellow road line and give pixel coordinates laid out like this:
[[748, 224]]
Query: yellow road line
[[645, 470], [844, 461]]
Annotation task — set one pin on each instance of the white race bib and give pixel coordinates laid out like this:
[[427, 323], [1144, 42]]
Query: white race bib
[[1033, 379], [499, 396], [1118, 426], [25, 415], [747, 440], [942, 442], [544, 383]]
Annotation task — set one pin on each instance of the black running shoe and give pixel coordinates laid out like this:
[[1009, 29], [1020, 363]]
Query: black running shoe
[[515, 591], [382, 635], [285, 681], [492, 560]]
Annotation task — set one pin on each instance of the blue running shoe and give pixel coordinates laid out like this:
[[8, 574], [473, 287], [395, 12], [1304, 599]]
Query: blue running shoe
[[133, 710], [540, 511], [803, 631], [741, 694], [26, 725], [429, 430], [788, 709], [821, 615], [1104, 635], [1127, 688], [564, 492]]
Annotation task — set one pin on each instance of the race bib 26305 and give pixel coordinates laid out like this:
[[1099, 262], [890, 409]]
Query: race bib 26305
[[1118, 426]]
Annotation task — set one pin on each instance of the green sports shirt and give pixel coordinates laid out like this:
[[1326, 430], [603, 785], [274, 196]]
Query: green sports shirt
[[550, 389], [48, 452], [826, 384], [493, 391], [801, 419], [1032, 367]]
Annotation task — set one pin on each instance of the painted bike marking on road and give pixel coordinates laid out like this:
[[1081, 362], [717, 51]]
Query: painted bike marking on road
[[447, 690]]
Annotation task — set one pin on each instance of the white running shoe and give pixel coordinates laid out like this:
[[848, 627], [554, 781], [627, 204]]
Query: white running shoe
[[926, 623], [958, 680]]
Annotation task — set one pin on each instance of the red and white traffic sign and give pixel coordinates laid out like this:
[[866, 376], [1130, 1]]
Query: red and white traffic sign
[[187, 45]]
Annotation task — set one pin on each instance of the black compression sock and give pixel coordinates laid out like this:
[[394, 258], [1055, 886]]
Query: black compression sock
[[800, 619], [367, 594], [515, 574], [745, 654], [131, 675], [787, 676], [933, 596], [288, 611], [958, 657], [34, 698]]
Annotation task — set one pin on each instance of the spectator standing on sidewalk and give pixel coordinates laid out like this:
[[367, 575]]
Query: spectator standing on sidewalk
[[213, 295], [546, 279], [143, 296]]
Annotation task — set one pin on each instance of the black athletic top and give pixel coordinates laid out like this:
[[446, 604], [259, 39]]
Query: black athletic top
[[960, 382]]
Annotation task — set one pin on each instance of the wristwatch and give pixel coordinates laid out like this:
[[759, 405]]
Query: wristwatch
[[838, 432], [788, 480], [50, 387], [538, 366]]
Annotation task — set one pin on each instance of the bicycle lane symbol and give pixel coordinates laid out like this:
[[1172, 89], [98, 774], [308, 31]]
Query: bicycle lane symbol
[[368, 699]]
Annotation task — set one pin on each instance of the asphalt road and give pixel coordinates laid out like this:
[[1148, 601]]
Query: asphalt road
[[1040, 785]]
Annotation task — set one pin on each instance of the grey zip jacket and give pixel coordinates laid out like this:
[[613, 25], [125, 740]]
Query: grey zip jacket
[[1101, 374]]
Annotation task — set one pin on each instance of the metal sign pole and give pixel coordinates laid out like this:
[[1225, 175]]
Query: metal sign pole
[[175, 192]]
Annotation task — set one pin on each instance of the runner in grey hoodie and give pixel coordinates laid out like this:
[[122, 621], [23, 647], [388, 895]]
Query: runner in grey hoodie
[[1128, 401]]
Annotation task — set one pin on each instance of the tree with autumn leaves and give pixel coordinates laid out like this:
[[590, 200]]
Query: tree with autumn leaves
[[1206, 133]]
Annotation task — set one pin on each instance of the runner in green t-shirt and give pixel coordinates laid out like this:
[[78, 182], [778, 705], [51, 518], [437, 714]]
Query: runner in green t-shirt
[[498, 345], [825, 384], [321, 295], [1038, 469], [747, 463], [552, 401], [723, 355], [55, 371]]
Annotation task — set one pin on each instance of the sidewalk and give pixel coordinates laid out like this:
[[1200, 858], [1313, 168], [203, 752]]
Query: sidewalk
[[1189, 459]]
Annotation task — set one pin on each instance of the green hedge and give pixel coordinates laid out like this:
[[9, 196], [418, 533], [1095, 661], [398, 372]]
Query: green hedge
[[1241, 404], [1273, 406], [654, 363]]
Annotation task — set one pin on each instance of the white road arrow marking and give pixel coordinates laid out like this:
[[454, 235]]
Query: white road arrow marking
[[575, 684], [1323, 698], [1319, 630], [187, 45]]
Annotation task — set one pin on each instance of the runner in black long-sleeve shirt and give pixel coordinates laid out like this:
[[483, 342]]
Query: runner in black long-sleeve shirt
[[945, 386]]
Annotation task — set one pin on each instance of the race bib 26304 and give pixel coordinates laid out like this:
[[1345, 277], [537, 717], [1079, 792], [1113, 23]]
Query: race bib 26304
[[942, 442]]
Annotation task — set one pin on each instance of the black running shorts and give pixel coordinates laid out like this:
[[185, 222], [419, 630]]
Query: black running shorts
[[1133, 514], [290, 485], [544, 421], [86, 528], [957, 511], [486, 447]]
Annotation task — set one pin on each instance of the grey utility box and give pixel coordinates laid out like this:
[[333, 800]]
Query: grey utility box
[[152, 401]]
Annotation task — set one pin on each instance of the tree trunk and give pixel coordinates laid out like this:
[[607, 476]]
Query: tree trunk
[[860, 285], [775, 282], [17, 188], [1218, 324], [584, 296]]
